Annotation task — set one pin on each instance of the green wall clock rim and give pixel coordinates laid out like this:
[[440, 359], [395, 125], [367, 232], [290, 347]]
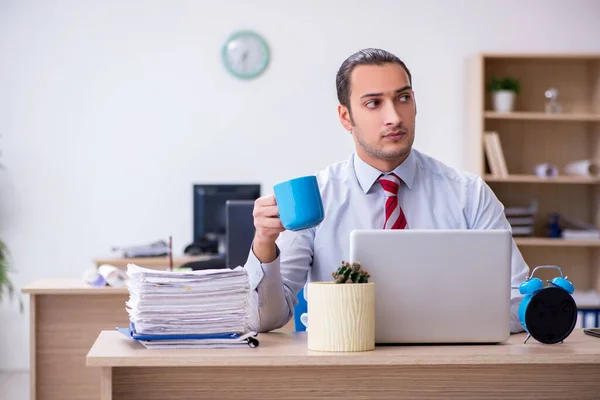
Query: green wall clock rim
[[262, 41]]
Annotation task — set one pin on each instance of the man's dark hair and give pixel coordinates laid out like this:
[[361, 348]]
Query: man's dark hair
[[362, 57]]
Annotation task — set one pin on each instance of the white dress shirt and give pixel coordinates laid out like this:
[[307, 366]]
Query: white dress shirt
[[432, 196]]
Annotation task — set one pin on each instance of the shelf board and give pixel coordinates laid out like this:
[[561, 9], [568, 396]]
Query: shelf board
[[558, 56], [540, 116], [551, 242], [536, 179]]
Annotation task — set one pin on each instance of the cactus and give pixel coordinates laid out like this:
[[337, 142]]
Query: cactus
[[350, 273]]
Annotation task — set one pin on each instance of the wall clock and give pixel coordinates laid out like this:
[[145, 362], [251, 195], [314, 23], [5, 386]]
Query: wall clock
[[245, 54]]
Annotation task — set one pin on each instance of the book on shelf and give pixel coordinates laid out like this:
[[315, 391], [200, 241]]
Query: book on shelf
[[522, 211], [520, 221], [575, 229], [522, 218], [581, 234], [522, 230], [494, 154]]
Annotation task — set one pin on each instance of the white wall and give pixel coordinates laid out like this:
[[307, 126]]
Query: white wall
[[110, 110]]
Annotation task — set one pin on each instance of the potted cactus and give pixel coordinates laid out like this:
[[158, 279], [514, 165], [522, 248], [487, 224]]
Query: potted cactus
[[341, 313], [350, 273]]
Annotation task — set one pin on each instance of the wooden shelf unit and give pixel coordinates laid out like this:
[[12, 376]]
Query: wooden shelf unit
[[515, 178], [529, 137], [541, 116], [551, 242]]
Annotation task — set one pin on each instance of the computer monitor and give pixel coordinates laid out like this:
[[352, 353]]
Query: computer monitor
[[209, 206], [240, 231]]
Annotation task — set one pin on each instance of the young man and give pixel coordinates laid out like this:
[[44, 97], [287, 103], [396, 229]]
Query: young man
[[386, 184]]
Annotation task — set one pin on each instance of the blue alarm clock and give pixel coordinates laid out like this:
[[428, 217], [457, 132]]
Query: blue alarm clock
[[548, 313]]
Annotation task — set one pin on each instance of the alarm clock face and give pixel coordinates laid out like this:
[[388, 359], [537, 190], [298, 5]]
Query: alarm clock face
[[245, 54], [551, 315]]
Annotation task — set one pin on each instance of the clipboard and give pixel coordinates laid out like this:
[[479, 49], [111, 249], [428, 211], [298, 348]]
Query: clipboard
[[223, 338]]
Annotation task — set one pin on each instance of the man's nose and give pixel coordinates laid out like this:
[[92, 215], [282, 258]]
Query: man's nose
[[392, 116]]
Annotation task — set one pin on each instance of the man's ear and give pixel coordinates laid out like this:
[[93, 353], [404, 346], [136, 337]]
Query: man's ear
[[345, 119]]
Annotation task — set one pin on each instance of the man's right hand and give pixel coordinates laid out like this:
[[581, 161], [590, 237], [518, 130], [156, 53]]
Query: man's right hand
[[268, 227]]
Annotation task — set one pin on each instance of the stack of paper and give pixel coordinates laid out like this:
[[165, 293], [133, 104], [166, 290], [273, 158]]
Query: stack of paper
[[188, 309], [522, 218]]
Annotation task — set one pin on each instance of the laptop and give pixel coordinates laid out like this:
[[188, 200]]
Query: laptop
[[437, 286], [239, 231]]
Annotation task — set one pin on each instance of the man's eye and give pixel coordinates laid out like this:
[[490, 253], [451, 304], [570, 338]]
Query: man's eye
[[404, 98], [372, 104]]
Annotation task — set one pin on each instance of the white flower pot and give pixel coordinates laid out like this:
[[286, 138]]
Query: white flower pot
[[341, 316], [503, 101]]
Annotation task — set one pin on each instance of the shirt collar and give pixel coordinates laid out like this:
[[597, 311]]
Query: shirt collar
[[368, 175]]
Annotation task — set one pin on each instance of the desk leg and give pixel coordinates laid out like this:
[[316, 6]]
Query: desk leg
[[66, 326], [106, 383], [32, 349]]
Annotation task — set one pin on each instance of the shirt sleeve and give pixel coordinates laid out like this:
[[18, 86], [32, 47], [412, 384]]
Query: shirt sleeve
[[274, 286], [488, 213]]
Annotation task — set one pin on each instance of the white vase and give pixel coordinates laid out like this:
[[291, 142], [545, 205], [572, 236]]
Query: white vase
[[503, 101], [341, 316]]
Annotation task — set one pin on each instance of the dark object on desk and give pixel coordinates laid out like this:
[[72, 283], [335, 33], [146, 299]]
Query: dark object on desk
[[592, 332], [552, 317], [218, 262], [548, 314], [159, 248], [240, 231], [202, 246], [209, 215], [209, 206]]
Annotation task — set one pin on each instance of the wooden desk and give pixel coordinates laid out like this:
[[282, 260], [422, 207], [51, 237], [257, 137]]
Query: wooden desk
[[151, 262], [66, 317], [282, 368]]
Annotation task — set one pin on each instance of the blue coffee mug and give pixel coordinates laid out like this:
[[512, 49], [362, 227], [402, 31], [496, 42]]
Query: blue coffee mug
[[300, 204]]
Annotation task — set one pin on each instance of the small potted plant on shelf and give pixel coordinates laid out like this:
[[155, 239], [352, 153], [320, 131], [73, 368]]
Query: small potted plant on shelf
[[504, 92], [341, 313]]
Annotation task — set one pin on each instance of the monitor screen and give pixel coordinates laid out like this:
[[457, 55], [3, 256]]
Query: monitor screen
[[209, 205]]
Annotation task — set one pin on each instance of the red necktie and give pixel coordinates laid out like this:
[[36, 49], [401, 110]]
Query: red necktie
[[394, 216]]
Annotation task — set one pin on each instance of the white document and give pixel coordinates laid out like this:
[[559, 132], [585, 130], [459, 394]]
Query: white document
[[189, 303], [245, 340]]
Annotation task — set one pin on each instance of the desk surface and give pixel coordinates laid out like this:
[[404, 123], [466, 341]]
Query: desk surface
[[149, 262], [68, 286], [112, 349]]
